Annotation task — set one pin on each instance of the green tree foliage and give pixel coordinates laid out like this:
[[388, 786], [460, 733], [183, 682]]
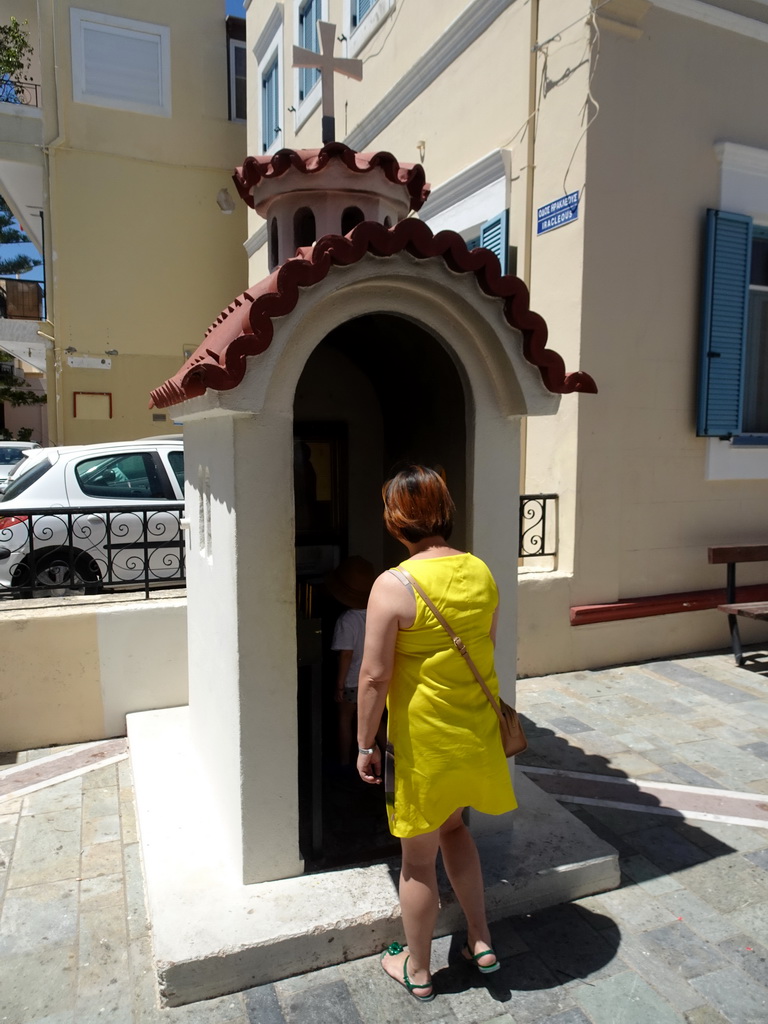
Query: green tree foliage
[[15, 390], [15, 51], [15, 59], [10, 234]]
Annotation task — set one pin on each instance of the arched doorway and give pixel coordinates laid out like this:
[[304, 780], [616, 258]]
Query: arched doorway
[[377, 391]]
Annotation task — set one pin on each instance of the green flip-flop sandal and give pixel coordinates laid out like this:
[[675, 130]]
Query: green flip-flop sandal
[[392, 950], [475, 957]]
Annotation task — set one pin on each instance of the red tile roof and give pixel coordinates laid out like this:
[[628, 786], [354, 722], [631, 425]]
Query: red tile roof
[[245, 327], [311, 161]]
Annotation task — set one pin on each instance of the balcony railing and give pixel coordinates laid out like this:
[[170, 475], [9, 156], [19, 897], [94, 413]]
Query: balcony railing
[[538, 525], [26, 93], [45, 552]]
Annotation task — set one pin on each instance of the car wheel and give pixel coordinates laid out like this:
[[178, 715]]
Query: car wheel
[[57, 570]]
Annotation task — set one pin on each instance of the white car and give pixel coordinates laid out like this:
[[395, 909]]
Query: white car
[[102, 514], [11, 454]]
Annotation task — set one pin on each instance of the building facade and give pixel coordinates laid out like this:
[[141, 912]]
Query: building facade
[[585, 143], [116, 160]]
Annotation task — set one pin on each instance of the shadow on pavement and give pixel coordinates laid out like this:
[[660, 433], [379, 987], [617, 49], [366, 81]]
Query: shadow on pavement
[[755, 662], [650, 844], [538, 951]]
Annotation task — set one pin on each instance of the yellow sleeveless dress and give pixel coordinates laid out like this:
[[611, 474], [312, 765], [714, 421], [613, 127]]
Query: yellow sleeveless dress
[[444, 732]]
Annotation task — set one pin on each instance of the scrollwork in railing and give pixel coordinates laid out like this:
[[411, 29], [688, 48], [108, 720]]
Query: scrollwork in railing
[[96, 548], [25, 93], [538, 525]]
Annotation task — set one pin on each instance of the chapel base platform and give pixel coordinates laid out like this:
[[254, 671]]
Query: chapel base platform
[[212, 935]]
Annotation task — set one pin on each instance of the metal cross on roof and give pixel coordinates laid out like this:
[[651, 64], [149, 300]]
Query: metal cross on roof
[[327, 64]]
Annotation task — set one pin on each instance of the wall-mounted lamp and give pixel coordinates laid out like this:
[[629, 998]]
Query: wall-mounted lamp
[[111, 352], [70, 349], [225, 201]]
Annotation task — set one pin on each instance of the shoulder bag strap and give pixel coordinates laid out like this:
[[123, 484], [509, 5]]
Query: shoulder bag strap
[[406, 579]]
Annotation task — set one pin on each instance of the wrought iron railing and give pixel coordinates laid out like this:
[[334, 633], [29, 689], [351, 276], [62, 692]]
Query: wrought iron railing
[[26, 93], [538, 525], [91, 549]]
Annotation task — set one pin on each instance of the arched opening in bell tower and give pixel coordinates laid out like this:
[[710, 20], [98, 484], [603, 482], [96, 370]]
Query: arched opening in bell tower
[[379, 390]]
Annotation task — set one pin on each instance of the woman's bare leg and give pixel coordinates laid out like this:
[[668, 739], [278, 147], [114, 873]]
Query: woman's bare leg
[[462, 865], [419, 906]]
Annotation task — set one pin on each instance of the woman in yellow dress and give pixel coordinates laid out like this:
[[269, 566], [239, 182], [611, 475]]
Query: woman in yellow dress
[[442, 728]]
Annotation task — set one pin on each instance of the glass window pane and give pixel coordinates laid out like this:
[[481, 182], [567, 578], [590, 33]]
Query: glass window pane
[[308, 38], [269, 107], [18, 485], [759, 270], [755, 417], [119, 477], [176, 460]]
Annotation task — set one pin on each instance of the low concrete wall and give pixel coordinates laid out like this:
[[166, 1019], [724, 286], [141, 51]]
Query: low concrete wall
[[72, 668]]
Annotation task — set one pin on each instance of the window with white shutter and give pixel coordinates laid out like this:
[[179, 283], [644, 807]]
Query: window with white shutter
[[120, 63]]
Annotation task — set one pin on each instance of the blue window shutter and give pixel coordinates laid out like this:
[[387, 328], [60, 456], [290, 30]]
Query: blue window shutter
[[724, 323], [494, 236]]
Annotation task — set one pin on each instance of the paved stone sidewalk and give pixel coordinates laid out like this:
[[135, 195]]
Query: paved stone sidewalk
[[684, 939]]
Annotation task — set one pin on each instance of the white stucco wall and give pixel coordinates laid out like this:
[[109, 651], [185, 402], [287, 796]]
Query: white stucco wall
[[73, 668]]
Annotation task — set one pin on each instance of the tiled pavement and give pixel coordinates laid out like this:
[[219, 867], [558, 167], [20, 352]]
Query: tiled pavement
[[684, 939]]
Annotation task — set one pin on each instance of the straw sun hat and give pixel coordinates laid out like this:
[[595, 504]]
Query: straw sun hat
[[351, 581]]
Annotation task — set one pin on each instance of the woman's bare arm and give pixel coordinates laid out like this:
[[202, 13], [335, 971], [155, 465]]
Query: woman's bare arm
[[391, 606]]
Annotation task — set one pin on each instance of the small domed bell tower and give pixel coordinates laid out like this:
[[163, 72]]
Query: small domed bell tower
[[306, 194]]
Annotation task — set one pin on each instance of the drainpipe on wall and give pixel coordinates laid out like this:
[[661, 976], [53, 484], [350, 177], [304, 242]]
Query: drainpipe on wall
[[530, 167], [530, 138]]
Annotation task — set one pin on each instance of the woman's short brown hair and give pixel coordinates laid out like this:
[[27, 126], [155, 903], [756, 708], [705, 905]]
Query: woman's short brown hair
[[417, 504]]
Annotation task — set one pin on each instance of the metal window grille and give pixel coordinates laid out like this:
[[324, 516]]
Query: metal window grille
[[538, 525]]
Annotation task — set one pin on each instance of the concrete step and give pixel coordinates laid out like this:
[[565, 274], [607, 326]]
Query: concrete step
[[212, 935]]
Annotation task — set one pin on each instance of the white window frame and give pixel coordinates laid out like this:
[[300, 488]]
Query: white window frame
[[358, 35], [476, 194], [743, 189], [307, 106], [236, 44], [79, 19], [269, 47]]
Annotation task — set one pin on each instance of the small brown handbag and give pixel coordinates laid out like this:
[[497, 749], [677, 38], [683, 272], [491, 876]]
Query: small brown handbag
[[513, 738]]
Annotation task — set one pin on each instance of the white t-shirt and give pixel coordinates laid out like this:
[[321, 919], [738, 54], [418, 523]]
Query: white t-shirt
[[349, 635]]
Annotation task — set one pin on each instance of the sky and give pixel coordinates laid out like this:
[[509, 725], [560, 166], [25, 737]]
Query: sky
[[232, 7]]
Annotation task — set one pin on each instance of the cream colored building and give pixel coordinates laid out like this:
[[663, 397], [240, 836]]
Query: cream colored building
[[645, 115], [113, 164]]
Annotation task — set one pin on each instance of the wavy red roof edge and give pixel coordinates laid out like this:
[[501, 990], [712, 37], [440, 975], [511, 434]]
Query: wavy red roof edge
[[245, 327], [311, 161]]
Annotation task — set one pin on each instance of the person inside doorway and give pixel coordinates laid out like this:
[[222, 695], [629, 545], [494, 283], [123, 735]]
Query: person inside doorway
[[443, 732], [350, 583]]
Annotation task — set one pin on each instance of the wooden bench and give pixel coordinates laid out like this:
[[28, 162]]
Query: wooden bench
[[730, 556]]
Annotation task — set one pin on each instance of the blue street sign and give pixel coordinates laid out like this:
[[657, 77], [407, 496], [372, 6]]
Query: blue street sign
[[559, 212]]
